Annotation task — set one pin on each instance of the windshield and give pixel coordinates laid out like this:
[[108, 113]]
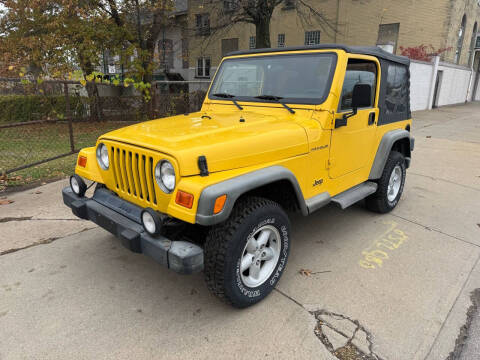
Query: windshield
[[294, 78]]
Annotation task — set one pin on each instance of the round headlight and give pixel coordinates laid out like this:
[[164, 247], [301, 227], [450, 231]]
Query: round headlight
[[165, 176], [102, 156]]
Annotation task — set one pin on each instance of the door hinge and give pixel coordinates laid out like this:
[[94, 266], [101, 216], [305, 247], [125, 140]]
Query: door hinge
[[329, 163]]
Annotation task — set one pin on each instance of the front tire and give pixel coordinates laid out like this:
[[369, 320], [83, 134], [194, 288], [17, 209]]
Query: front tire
[[390, 185], [246, 255]]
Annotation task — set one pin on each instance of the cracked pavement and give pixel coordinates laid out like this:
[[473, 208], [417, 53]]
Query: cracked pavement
[[343, 337], [467, 345], [394, 286], [35, 217]]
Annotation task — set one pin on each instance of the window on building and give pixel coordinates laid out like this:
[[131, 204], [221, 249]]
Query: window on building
[[229, 45], [185, 53], [388, 37], [203, 67], [203, 24], [281, 40], [461, 37], [312, 37], [134, 55], [165, 54], [288, 4], [358, 72], [473, 44], [230, 5], [252, 43], [396, 97]]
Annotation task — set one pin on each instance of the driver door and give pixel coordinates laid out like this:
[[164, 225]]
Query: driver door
[[351, 145]]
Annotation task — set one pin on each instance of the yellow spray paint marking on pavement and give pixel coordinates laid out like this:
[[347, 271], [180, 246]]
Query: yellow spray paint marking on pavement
[[379, 250]]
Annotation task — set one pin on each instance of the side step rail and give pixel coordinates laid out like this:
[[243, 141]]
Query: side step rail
[[355, 194]]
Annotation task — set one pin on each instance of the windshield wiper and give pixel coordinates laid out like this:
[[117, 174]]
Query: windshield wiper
[[224, 95], [268, 97], [228, 96], [277, 99]]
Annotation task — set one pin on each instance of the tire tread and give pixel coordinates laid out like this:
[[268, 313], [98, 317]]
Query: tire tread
[[219, 239], [377, 202]]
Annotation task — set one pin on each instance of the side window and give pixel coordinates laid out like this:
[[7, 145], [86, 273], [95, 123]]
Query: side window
[[358, 72], [396, 97]]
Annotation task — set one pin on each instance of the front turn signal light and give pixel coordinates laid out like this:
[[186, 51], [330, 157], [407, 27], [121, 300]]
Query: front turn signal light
[[219, 204], [82, 161], [185, 199]]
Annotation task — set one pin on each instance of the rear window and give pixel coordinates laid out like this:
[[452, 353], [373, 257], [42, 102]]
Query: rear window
[[396, 97]]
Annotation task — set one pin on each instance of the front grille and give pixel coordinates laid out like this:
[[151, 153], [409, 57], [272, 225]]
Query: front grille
[[133, 174]]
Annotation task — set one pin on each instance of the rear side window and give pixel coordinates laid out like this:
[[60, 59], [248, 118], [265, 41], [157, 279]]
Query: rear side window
[[358, 72], [396, 97]]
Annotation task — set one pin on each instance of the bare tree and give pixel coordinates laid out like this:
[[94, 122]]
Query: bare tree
[[140, 23], [259, 13]]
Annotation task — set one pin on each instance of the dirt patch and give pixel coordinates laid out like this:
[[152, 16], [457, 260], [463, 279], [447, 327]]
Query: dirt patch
[[11, 189]]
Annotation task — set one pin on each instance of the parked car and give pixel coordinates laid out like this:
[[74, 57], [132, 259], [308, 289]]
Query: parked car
[[280, 130]]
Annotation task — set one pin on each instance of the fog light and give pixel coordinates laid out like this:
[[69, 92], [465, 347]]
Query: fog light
[[78, 185], [151, 221]]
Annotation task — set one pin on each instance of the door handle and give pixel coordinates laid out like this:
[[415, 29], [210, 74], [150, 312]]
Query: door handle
[[371, 118]]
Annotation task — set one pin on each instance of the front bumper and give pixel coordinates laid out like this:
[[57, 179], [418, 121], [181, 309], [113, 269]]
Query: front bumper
[[122, 219]]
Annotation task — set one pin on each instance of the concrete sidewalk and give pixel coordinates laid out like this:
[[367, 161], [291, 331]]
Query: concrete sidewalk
[[37, 216], [79, 294]]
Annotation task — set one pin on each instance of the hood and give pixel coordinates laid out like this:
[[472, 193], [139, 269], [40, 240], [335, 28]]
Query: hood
[[228, 140]]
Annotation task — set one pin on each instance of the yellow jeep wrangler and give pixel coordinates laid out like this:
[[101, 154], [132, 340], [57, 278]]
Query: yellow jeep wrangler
[[280, 130]]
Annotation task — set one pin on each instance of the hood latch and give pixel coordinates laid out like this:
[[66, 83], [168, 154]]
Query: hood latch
[[202, 165]]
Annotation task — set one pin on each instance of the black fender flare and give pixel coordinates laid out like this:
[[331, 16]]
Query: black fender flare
[[239, 185], [384, 149]]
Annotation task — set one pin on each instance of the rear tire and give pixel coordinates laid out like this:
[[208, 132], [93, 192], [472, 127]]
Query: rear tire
[[390, 185], [246, 255]]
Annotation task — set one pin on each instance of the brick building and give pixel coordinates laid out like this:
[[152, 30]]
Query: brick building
[[451, 24]]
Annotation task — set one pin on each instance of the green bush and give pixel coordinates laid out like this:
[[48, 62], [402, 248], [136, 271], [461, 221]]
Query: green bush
[[20, 108]]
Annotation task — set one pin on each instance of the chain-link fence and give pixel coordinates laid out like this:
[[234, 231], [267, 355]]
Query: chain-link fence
[[44, 121]]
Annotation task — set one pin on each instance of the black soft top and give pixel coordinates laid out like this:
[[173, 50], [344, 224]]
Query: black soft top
[[365, 50]]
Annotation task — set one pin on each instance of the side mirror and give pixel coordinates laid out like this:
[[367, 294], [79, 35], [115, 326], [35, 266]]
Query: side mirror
[[361, 96]]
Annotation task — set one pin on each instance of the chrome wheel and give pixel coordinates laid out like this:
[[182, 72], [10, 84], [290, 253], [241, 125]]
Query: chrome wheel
[[260, 256], [394, 183]]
